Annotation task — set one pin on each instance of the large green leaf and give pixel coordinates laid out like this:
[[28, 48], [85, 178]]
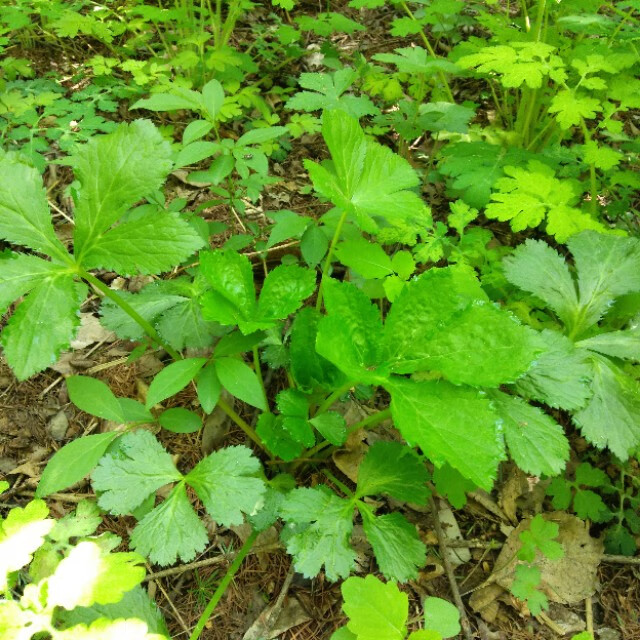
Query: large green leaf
[[365, 179], [150, 244], [43, 325], [450, 424], [24, 212], [608, 267], [536, 441], [611, 418], [349, 336], [377, 611], [114, 172], [283, 291], [537, 268], [19, 273], [618, 344], [173, 378], [241, 381], [366, 258]]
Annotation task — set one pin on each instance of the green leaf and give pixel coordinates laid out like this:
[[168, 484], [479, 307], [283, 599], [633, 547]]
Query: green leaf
[[540, 537], [270, 430], [441, 616], [518, 63], [259, 136], [608, 267], [47, 318], [616, 404], [241, 381], [20, 273], [288, 225], [617, 344], [366, 258], [186, 99], [135, 600], [171, 531], [225, 482], [132, 629], [537, 268], [153, 243], [126, 477], [349, 336], [313, 245], [212, 98], [179, 420], [308, 368], [24, 212], [88, 575], [173, 378], [393, 469], [331, 426], [78, 524], [448, 422], [416, 60], [452, 484], [561, 374], [325, 524], [115, 171], [571, 109], [365, 179], [396, 544], [195, 152], [283, 292], [589, 505], [525, 588], [377, 611], [94, 396], [195, 130], [22, 532], [474, 167], [73, 462], [209, 388], [536, 442]]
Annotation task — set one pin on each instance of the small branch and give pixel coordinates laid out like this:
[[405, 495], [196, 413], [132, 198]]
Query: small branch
[[199, 564], [242, 424], [588, 609], [464, 621]]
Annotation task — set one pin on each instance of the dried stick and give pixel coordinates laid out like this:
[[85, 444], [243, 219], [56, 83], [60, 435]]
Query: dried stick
[[464, 621]]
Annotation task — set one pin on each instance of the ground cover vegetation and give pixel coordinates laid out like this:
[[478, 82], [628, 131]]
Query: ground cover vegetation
[[423, 214]]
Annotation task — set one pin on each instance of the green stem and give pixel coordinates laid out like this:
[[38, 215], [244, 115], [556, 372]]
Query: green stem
[[430, 49], [347, 492], [593, 178], [258, 369], [242, 424], [224, 584], [327, 263], [540, 19], [334, 397], [130, 311]]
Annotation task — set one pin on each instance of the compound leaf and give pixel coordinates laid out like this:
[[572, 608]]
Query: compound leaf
[[283, 291]]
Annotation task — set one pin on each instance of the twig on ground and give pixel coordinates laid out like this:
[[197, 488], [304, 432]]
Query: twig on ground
[[223, 557], [588, 609], [176, 613], [61, 497], [464, 620], [543, 617]]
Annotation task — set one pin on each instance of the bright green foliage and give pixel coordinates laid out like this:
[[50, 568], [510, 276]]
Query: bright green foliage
[[67, 579], [319, 524], [379, 611], [364, 179], [607, 268], [528, 197], [452, 484], [525, 588], [540, 537], [125, 478], [113, 172], [416, 60], [518, 63], [587, 504], [232, 299], [327, 91], [571, 109]]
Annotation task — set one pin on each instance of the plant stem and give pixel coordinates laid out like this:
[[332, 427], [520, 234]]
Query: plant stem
[[430, 49], [327, 263], [242, 424], [224, 584], [347, 492], [334, 397], [130, 311], [258, 369], [540, 19]]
